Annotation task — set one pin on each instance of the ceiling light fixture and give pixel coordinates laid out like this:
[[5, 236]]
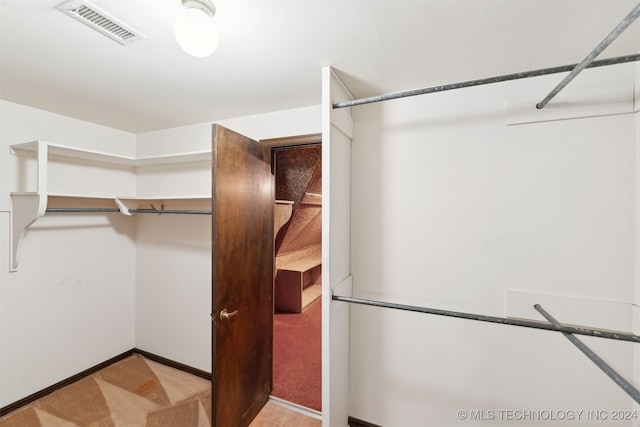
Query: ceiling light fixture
[[195, 29]]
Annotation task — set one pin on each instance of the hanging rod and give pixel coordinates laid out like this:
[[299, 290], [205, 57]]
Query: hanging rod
[[485, 81], [617, 378], [115, 210], [628, 20], [171, 211], [620, 336]]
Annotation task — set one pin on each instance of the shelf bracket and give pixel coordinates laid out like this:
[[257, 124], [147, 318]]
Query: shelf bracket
[[26, 208], [123, 207]]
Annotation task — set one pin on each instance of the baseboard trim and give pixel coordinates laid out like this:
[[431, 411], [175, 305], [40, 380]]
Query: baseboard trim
[[296, 408], [354, 422], [177, 365], [92, 370], [77, 377]]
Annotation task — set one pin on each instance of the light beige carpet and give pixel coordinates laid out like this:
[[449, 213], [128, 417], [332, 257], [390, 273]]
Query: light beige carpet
[[134, 392]]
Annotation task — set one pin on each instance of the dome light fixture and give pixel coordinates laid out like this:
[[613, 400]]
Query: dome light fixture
[[195, 29]]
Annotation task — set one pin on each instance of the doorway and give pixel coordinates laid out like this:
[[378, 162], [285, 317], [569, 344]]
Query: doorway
[[297, 348]]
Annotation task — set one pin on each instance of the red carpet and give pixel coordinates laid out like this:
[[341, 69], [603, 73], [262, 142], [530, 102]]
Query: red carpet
[[297, 356]]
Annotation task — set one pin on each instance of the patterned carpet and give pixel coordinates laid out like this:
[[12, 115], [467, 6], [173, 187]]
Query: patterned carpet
[[134, 392]]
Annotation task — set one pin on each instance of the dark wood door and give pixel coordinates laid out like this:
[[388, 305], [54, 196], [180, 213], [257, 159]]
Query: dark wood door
[[242, 269]]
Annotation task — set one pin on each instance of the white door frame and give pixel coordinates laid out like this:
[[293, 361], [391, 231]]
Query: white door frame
[[337, 134]]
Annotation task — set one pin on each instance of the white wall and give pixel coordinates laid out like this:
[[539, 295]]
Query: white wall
[[173, 286], [70, 305], [195, 138], [450, 209], [173, 279]]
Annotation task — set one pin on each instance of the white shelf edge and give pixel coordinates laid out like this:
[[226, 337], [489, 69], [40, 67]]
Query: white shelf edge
[[133, 197], [171, 197], [24, 193], [61, 150]]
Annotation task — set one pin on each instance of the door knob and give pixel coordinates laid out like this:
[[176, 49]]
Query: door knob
[[224, 314]]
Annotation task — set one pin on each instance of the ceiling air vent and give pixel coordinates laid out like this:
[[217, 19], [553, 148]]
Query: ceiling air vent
[[101, 21]]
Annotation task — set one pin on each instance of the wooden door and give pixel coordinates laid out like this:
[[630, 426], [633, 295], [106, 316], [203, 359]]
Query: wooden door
[[242, 269]]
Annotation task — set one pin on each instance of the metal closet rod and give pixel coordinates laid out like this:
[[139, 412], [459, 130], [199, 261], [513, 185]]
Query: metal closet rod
[[485, 81], [617, 378], [115, 210], [578, 330], [632, 16]]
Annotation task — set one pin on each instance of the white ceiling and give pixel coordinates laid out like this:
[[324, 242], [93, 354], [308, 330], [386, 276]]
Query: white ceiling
[[271, 53]]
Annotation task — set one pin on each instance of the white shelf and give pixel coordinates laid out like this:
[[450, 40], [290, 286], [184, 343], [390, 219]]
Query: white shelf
[[27, 207], [128, 196], [60, 150]]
